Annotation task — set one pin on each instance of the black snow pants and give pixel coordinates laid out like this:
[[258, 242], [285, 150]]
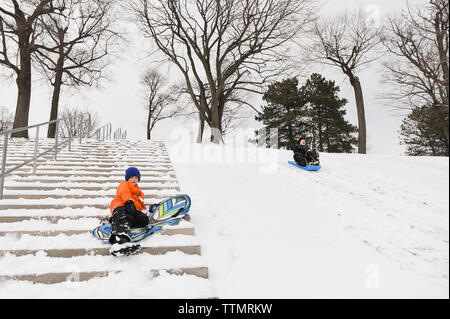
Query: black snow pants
[[303, 159], [123, 219]]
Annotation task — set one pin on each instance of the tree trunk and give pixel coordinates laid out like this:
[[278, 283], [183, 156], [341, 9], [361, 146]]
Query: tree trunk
[[354, 81], [216, 123], [216, 132], [149, 130], [200, 129], [23, 88], [55, 102]]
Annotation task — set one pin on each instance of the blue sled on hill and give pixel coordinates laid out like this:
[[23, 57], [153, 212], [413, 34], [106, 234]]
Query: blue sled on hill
[[307, 167]]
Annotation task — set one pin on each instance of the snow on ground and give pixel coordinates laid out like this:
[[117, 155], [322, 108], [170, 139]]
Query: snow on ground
[[364, 226], [126, 284]]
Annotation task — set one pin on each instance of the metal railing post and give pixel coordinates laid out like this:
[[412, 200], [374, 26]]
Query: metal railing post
[[2, 177], [36, 141]]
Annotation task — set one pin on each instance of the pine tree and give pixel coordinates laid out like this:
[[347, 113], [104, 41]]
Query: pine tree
[[328, 129], [285, 111], [314, 111], [421, 133]]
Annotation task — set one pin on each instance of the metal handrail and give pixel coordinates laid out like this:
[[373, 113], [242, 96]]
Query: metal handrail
[[105, 130], [119, 135]]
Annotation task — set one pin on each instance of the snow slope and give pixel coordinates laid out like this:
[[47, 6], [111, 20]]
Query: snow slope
[[364, 226]]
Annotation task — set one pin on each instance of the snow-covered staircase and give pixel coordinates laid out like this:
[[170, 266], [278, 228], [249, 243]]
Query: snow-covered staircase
[[46, 219]]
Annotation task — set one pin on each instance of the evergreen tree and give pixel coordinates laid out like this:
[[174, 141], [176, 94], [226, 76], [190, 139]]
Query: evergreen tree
[[313, 110], [285, 111], [328, 129], [421, 133]]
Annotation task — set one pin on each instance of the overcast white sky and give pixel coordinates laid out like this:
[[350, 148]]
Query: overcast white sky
[[120, 103]]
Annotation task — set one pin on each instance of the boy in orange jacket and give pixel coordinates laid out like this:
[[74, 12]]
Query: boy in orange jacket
[[126, 208]]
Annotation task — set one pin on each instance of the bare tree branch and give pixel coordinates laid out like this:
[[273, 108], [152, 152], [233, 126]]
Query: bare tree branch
[[217, 44], [417, 45], [348, 41]]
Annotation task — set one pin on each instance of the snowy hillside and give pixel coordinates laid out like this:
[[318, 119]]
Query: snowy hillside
[[363, 226]]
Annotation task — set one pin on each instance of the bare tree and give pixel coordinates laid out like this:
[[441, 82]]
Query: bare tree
[[234, 112], [348, 42], [417, 43], [19, 37], [222, 46], [75, 47], [161, 100]]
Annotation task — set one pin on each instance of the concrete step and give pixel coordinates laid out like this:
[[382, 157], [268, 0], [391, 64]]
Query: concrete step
[[103, 251], [86, 179], [156, 173], [31, 206], [108, 196], [51, 219], [50, 270], [57, 225], [188, 231], [87, 151], [92, 152], [85, 244], [84, 187], [147, 169], [32, 216], [74, 252], [109, 165], [76, 155], [84, 157], [75, 143], [54, 278], [47, 167]]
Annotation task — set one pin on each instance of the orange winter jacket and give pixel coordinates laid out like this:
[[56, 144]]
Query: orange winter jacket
[[125, 192]]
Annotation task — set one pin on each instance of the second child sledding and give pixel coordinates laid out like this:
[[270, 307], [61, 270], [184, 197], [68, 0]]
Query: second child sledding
[[303, 155]]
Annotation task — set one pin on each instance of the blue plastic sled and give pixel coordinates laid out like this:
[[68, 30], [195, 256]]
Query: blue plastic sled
[[307, 167]]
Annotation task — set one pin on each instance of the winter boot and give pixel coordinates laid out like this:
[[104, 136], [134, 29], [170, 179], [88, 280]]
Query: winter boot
[[120, 227]]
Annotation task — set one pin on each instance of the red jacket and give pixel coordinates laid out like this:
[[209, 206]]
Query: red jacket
[[125, 192]]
